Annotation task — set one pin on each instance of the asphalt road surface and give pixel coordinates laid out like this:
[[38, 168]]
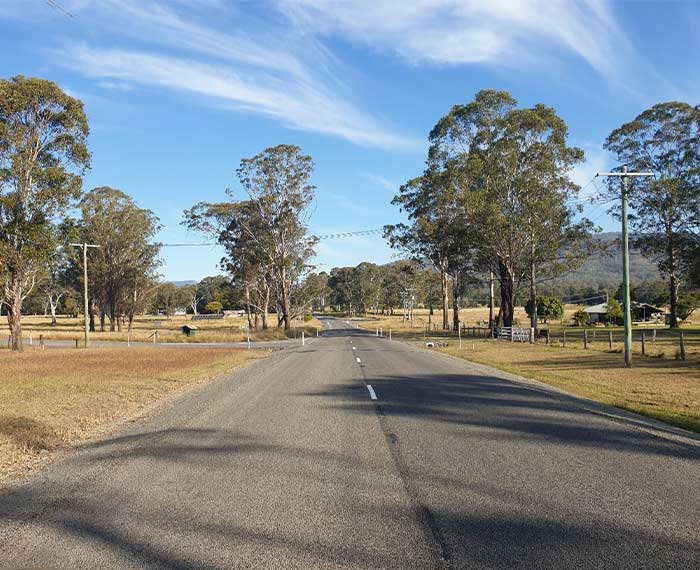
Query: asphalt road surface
[[290, 463]]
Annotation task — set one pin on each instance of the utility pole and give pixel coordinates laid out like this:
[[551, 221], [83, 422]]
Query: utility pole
[[624, 177], [84, 247]]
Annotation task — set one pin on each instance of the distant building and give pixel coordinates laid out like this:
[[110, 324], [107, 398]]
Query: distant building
[[642, 312], [597, 313]]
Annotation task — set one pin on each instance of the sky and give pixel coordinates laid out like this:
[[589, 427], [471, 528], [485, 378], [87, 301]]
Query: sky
[[178, 92]]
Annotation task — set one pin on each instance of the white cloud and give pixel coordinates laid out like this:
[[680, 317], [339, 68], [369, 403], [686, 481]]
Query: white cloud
[[251, 65], [299, 105], [501, 32]]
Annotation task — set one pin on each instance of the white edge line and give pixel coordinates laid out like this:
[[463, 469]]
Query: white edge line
[[372, 395]]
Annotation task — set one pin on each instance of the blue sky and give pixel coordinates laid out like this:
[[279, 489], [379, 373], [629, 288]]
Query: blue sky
[[179, 91]]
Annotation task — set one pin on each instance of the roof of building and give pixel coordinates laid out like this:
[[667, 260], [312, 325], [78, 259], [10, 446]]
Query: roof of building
[[601, 308]]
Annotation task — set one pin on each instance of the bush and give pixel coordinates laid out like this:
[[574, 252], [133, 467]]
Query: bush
[[547, 308], [213, 308], [580, 317], [308, 317]]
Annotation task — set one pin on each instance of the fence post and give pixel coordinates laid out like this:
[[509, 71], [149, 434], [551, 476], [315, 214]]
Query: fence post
[[610, 340], [547, 335], [563, 337], [30, 338], [532, 335], [593, 335], [41, 341], [653, 338], [644, 343], [512, 334], [76, 343], [585, 339], [682, 345]]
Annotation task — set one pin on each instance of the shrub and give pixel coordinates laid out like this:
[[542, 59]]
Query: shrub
[[547, 308], [213, 307], [580, 317]]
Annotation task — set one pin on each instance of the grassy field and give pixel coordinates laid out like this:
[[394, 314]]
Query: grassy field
[[60, 396], [660, 388], [170, 330]]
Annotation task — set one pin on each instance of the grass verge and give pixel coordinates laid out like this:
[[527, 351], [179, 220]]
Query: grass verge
[[54, 397], [659, 388]]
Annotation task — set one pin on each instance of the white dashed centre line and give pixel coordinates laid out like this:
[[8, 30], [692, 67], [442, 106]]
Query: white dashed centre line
[[353, 348], [372, 395]]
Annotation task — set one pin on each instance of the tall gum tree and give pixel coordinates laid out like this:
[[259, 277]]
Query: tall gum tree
[[43, 156], [666, 207], [513, 183]]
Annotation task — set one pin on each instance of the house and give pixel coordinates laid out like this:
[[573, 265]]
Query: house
[[597, 313], [641, 311], [648, 313]]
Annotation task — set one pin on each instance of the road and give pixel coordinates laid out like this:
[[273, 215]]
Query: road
[[289, 463]]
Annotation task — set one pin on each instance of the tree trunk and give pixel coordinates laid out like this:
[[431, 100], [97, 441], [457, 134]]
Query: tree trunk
[[533, 298], [247, 307], [445, 301], [673, 288], [112, 317], [455, 311], [52, 306], [285, 306], [491, 300], [14, 316], [507, 294]]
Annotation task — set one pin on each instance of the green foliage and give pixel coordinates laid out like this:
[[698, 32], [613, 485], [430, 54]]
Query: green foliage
[[213, 307], [216, 288], [547, 308], [664, 139], [265, 237], [43, 156], [688, 303], [580, 317], [492, 166], [614, 313], [123, 270], [308, 317]]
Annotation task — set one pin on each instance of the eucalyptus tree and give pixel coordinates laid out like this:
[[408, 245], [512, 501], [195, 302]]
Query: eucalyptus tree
[[43, 156], [125, 265], [514, 188], [431, 231], [666, 207], [268, 246], [277, 182]]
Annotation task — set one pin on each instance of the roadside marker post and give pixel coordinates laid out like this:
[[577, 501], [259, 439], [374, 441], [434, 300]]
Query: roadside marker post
[[459, 333], [302, 338], [248, 340], [389, 334]]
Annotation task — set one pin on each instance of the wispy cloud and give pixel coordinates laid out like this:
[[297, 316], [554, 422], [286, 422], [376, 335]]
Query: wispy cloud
[[382, 181], [501, 32], [261, 66]]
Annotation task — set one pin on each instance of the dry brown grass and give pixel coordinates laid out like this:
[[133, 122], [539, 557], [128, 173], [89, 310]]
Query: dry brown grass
[[170, 330], [660, 388], [59, 396]]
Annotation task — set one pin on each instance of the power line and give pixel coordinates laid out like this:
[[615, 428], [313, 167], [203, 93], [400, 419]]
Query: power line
[[58, 7], [340, 235]]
